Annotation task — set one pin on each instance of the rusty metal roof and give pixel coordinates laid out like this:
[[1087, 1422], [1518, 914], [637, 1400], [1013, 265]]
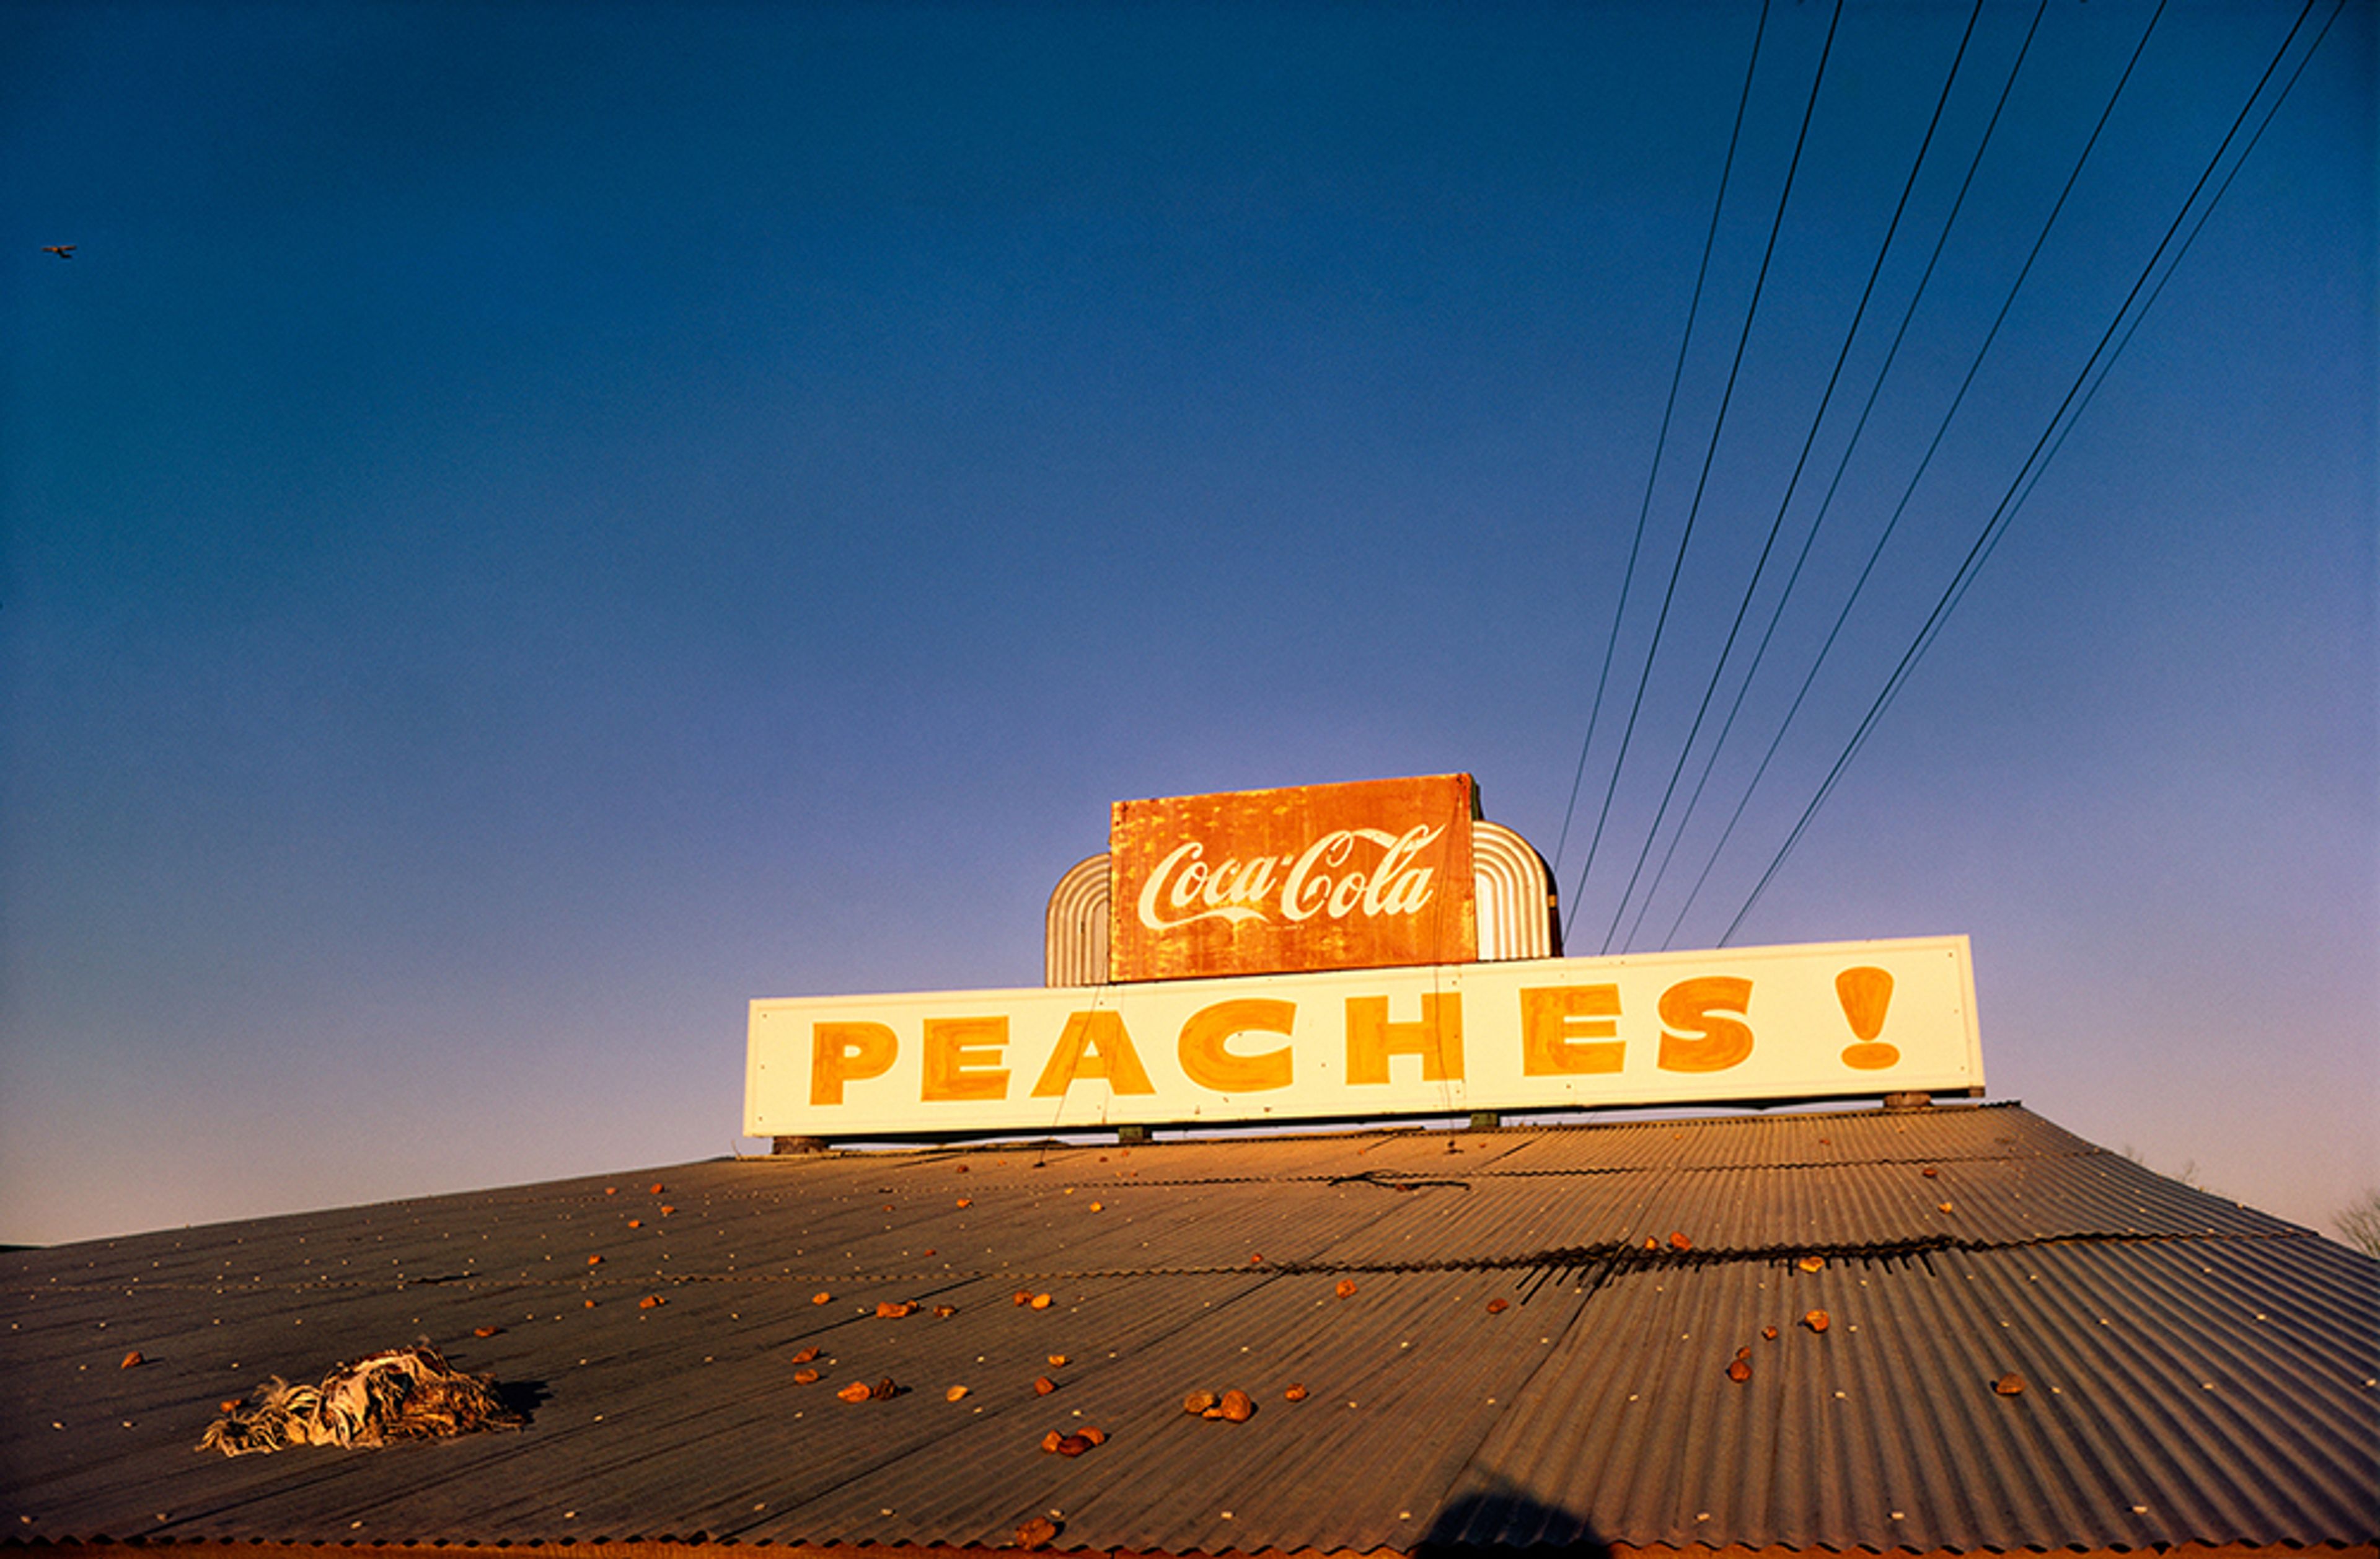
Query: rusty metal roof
[[2193, 1371]]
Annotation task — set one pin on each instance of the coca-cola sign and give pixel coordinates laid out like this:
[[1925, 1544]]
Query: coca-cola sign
[[1363, 875]]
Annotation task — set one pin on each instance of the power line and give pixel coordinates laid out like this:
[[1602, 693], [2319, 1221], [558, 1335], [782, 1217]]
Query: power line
[[1718, 424], [1867, 570], [1826, 506], [2158, 291], [1710, 241], [2004, 510], [1792, 485]]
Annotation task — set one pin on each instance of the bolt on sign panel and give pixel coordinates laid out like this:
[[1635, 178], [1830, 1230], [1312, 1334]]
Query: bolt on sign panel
[[1372, 874]]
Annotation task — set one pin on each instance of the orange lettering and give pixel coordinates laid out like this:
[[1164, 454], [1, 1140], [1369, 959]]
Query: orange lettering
[[1095, 1044], [1211, 1066], [1566, 1030], [841, 1052], [1437, 1038], [963, 1058], [1705, 1010]]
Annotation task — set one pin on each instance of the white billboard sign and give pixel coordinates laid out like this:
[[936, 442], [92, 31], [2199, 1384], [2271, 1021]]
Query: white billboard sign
[[1742, 1025]]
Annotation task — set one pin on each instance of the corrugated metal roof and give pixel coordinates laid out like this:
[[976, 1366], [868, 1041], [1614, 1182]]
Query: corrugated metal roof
[[2194, 1371]]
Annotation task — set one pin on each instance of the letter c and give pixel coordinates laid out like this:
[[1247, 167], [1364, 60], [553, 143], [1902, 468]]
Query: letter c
[[1211, 1066]]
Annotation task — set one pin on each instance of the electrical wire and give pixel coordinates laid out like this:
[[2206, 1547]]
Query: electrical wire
[[2155, 292], [2004, 510], [1718, 424], [1826, 506], [1710, 242], [1867, 570], [1792, 485]]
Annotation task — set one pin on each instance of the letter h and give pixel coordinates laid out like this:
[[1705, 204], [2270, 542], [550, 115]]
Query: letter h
[[1437, 1038]]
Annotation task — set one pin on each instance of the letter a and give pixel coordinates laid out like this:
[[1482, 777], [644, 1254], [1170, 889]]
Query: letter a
[[1095, 1044]]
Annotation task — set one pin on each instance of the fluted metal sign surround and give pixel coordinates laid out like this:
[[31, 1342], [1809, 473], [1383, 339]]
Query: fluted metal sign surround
[[1736, 1025]]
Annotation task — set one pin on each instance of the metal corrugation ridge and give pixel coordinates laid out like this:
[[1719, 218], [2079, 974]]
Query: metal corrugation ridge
[[1192, 1228], [1489, 1223], [1405, 1376], [1886, 1431], [664, 1422], [1624, 1435], [2246, 1395], [2224, 1381], [673, 1549], [788, 1463], [1401, 1352], [1935, 1133], [1344, 1155], [663, 1376], [1418, 1150], [1055, 1227], [1255, 1156], [1343, 1467], [410, 1239], [1792, 1210], [2017, 1197]]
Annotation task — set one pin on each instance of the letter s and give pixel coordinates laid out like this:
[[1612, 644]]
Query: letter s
[[1706, 1009]]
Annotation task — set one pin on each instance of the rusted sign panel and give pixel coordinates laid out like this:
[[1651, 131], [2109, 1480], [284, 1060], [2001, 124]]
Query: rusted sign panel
[[1373, 874]]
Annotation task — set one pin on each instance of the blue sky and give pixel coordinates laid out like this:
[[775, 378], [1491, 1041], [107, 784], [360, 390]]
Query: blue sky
[[527, 527]]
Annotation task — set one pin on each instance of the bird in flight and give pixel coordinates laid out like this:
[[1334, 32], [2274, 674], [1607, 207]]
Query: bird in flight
[[64, 251]]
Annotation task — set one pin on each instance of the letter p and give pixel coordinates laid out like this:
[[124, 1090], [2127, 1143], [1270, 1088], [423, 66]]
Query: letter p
[[840, 1051]]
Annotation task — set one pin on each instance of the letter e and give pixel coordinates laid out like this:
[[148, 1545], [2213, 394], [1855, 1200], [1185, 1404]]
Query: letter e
[[1567, 1029], [963, 1058]]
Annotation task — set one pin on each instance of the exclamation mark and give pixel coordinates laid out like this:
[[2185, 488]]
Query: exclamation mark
[[1866, 992]]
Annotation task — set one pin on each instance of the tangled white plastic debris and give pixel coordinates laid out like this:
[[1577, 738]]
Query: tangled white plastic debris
[[402, 1393]]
